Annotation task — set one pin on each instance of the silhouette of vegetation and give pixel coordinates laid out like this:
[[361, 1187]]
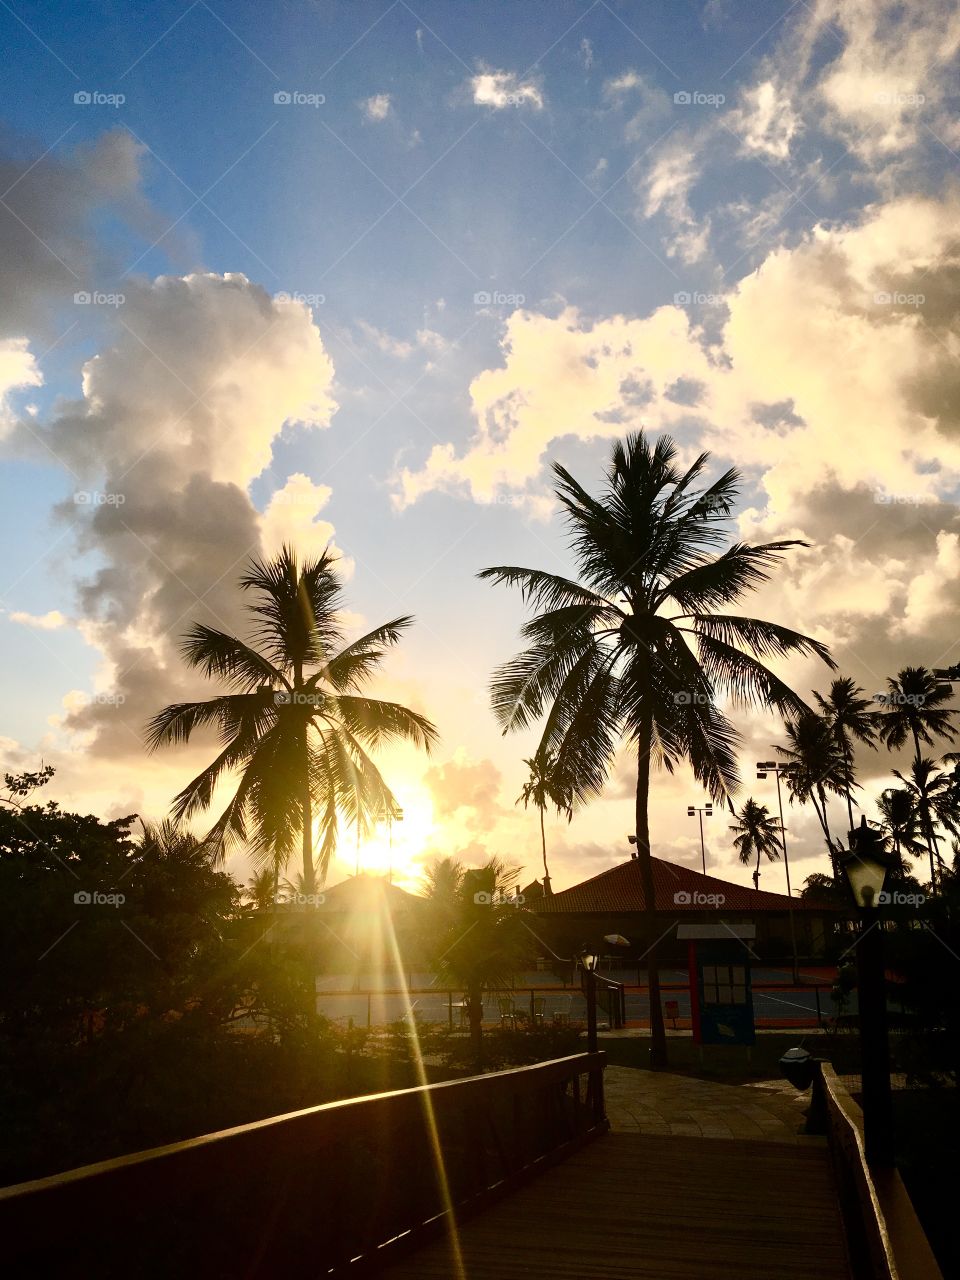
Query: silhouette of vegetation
[[756, 831], [545, 786]]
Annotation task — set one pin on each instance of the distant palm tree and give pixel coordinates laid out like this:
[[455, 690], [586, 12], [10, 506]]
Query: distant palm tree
[[479, 943], [914, 701], [544, 787], [815, 766], [931, 791], [294, 724], [262, 890], [852, 718], [901, 821], [758, 832], [641, 647]]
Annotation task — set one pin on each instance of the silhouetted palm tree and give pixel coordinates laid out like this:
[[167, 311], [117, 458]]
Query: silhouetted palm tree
[[931, 792], [294, 724], [852, 718], [815, 766], [640, 647], [901, 821], [914, 709], [545, 786], [758, 832]]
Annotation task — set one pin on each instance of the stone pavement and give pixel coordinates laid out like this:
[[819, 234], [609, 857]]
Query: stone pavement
[[659, 1102]]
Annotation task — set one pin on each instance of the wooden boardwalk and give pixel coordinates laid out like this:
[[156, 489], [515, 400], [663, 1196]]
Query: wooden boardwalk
[[658, 1207]]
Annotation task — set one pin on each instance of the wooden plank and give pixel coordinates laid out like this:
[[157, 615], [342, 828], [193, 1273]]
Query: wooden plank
[[662, 1208]]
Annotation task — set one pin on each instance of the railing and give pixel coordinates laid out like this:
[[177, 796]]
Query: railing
[[335, 1189], [612, 999], [884, 1235]]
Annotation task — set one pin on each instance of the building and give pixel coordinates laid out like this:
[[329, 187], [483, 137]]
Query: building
[[614, 902]]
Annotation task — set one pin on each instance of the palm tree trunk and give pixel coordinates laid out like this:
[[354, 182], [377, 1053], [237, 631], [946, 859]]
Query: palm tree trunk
[[658, 1034], [543, 845]]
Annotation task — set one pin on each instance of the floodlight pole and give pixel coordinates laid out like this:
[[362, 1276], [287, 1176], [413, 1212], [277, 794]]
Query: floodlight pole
[[700, 811], [774, 767]]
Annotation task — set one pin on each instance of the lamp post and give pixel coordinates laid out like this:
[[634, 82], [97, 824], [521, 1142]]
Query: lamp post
[[865, 872], [588, 960], [708, 810], [763, 768]]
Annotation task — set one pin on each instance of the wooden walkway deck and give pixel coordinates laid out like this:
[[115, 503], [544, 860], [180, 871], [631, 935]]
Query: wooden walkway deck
[[661, 1208]]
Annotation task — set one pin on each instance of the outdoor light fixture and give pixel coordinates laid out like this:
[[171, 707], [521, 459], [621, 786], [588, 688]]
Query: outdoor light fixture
[[589, 962], [700, 811], [864, 868]]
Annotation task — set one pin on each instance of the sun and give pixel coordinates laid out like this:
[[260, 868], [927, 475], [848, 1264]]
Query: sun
[[396, 848]]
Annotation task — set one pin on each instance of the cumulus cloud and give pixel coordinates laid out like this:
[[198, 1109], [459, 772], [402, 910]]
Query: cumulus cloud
[[178, 414], [465, 790], [499, 89], [766, 120], [18, 371]]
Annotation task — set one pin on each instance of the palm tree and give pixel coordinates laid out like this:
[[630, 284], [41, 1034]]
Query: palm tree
[[545, 786], [931, 791], [262, 890], [851, 718], [914, 701], [815, 766], [294, 723], [901, 821], [478, 940], [758, 832], [641, 648]]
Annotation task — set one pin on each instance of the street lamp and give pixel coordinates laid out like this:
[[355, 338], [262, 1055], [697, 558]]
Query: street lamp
[[865, 871], [708, 810], [588, 962], [774, 767]]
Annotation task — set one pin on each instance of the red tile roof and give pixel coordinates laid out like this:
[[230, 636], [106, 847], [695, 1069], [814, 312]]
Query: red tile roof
[[676, 889]]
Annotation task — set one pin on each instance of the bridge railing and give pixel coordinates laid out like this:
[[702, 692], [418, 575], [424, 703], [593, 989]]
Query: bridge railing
[[333, 1189], [884, 1235]]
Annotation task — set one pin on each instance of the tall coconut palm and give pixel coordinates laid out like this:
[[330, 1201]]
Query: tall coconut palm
[[294, 724], [816, 766], [544, 787], [642, 646], [852, 718], [901, 821], [931, 792], [914, 710], [756, 831]]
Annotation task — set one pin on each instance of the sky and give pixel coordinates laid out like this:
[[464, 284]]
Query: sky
[[356, 273]]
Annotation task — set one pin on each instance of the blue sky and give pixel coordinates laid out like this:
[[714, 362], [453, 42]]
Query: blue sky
[[709, 218]]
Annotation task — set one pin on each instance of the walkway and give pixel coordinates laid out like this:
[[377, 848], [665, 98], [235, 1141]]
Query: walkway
[[697, 1181]]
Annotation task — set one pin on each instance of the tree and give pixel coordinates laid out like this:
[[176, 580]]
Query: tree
[[815, 766], [543, 787], [932, 795], [851, 718], [758, 832], [641, 648], [479, 942], [294, 725], [901, 821], [914, 709]]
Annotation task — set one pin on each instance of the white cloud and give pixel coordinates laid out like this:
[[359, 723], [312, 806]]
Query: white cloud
[[51, 621], [766, 120], [18, 371], [499, 89], [377, 108]]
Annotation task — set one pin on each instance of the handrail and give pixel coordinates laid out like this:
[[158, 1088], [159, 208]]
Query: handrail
[[883, 1231], [618, 1019], [332, 1189]]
